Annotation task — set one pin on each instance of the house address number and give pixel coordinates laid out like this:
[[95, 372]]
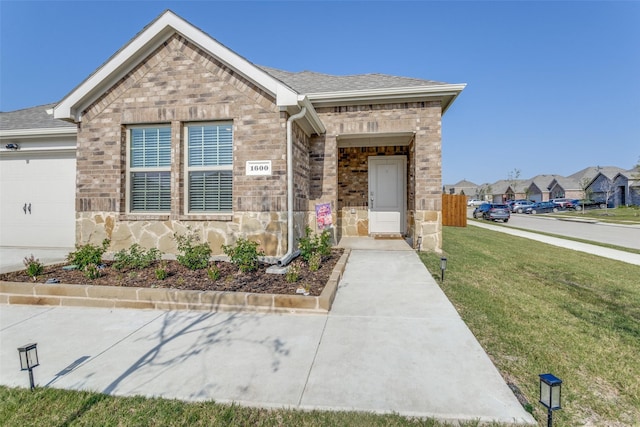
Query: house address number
[[259, 167]]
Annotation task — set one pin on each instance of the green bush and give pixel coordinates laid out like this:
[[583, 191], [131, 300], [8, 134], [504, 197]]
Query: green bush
[[213, 272], [88, 254], [314, 262], [136, 258], [193, 255], [161, 271], [244, 254], [92, 271], [34, 267], [316, 244], [293, 272]]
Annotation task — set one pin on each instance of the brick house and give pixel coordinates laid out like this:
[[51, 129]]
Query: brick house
[[175, 130]]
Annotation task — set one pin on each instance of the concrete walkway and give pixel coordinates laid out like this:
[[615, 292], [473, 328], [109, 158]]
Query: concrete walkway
[[628, 257], [392, 343]]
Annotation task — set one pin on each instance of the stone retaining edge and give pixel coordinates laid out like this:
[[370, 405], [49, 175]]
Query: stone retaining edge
[[171, 299]]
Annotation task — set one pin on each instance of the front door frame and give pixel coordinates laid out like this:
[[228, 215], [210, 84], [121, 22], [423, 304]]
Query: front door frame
[[401, 187]]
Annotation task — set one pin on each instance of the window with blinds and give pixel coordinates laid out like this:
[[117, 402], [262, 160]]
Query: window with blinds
[[209, 153], [149, 161]]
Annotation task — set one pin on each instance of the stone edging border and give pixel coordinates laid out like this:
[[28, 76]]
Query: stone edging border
[[170, 299]]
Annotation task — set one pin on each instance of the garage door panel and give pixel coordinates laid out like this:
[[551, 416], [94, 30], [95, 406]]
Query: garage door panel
[[47, 183]]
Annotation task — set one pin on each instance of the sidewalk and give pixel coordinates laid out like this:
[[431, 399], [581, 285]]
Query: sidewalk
[[392, 343], [615, 254]]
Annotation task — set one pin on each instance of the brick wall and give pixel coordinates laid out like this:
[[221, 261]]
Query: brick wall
[[336, 176], [175, 85]]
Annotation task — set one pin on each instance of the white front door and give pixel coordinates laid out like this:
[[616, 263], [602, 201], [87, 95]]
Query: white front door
[[387, 201]]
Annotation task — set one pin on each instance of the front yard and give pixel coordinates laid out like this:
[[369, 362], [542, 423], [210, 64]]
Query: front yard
[[537, 308], [622, 215], [534, 308]]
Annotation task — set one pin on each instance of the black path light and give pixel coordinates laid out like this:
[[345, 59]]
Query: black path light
[[443, 267], [550, 387], [29, 360]]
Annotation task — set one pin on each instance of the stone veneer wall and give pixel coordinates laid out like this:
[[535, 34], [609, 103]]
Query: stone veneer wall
[[175, 85], [424, 169]]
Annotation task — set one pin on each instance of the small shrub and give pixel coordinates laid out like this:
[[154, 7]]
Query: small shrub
[[314, 261], [161, 271], [91, 271], [213, 272], [34, 267], [244, 254], [193, 255], [319, 243], [293, 272], [136, 258], [88, 254]]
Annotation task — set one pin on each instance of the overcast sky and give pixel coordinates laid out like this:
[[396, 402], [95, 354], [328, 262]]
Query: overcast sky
[[552, 87]]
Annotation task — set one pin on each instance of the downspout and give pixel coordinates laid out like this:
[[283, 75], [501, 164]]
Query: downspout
[[286, 259]]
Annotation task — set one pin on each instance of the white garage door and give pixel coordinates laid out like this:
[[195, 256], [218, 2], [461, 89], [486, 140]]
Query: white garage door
[[37, 199]]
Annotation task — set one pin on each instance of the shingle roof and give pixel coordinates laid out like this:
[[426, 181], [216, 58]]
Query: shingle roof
[[543, 181], [312, 82], [31, 118], [590, 172]]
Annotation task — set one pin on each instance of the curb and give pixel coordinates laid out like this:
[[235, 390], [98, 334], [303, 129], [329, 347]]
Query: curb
[[171, 299]]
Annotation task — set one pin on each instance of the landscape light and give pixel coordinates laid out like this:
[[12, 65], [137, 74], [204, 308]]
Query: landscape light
[[29, 360], [550, 387], [443, 267]]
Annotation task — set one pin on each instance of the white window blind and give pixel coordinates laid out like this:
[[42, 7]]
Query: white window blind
[[210, 165], [150, 169]]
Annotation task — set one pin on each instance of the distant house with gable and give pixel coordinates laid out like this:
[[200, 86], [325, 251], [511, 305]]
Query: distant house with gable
[[623, 189]]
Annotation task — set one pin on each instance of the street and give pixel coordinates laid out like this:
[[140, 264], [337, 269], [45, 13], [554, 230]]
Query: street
[[619, 235]]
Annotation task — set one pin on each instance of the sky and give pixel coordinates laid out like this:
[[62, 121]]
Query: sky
[[552, 86]]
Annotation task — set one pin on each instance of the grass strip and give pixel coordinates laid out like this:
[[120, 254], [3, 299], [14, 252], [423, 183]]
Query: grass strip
[[573, 239], [55, 407], [537, 308]]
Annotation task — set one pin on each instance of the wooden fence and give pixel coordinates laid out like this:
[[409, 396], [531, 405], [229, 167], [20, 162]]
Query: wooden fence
[[454, 210]]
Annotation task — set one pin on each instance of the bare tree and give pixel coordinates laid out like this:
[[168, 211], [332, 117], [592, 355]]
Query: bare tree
[[586, 191], [608, 188], [512, 178]]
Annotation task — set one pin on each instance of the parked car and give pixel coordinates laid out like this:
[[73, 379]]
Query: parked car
[[543, 207], [474, 202], [588, 204], [519, 206], [565, 203], [492, 212]]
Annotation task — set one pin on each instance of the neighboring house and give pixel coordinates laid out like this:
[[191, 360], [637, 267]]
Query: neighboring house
[[38, 175], [465, 187], [578, 185], [176, 131], [537, 188], [602, 189], [628, 184], [621, 190], [501, 191], [561, 187]]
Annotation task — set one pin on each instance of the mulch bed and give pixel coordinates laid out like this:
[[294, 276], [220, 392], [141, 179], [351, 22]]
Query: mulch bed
[[179, 277]]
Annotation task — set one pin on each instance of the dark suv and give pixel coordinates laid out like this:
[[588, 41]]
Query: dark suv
[[493, 212]]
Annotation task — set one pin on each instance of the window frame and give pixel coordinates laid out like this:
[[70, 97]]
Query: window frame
[[130, 170], [187, 169]]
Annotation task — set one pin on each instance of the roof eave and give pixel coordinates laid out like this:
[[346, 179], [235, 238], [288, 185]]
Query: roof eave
[[38, 132], [447, 93]]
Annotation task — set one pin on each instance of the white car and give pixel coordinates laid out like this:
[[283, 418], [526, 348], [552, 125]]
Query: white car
[[475, 202]]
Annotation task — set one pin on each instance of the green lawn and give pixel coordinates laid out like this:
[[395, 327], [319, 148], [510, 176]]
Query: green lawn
[[52, 407], [537, 308], [621, 215]]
